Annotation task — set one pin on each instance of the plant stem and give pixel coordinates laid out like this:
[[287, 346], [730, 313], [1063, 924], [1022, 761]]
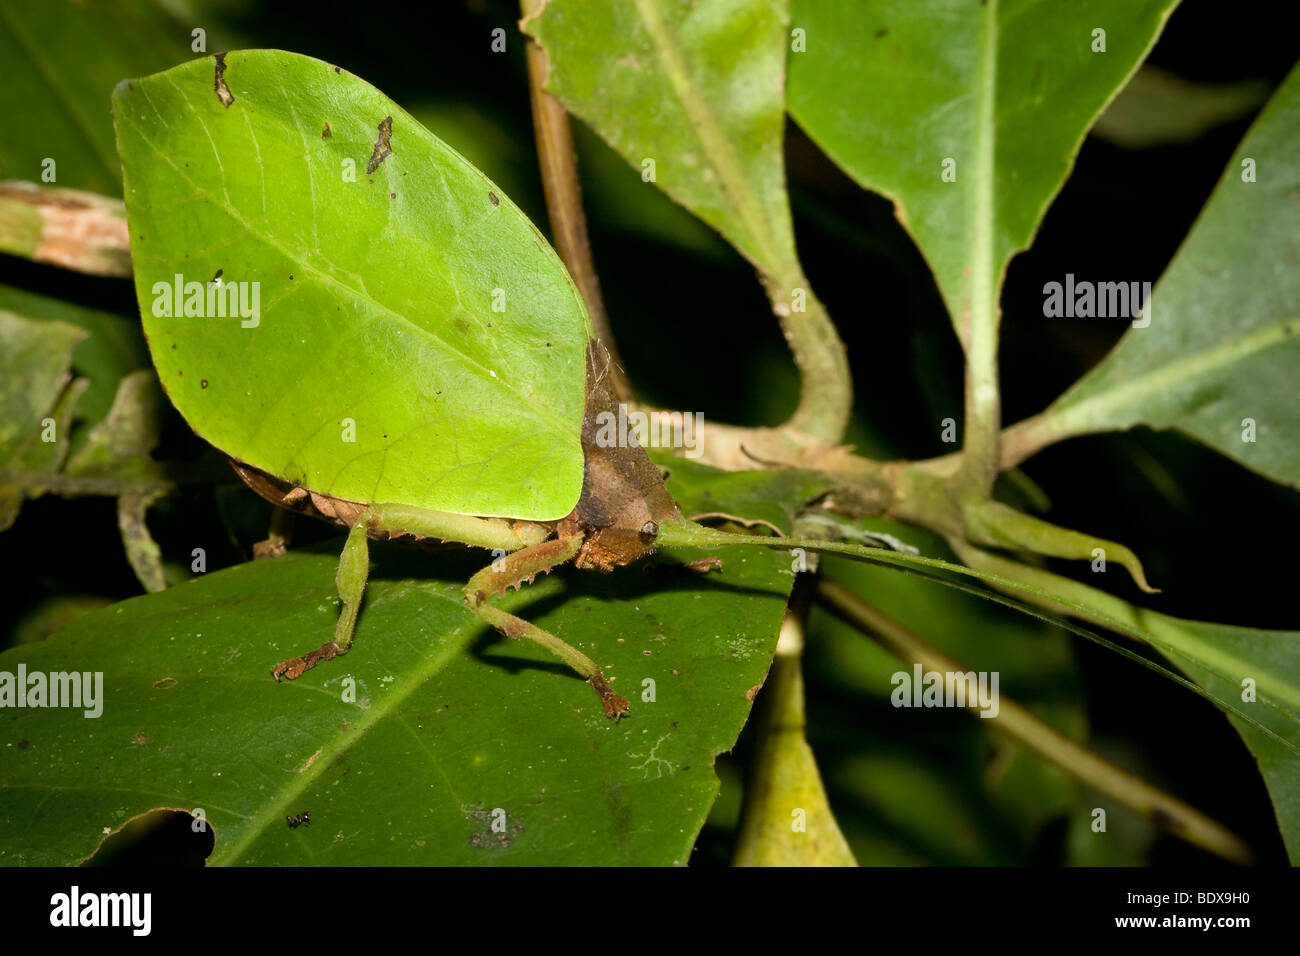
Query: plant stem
[[557, 161], [1019, 724]]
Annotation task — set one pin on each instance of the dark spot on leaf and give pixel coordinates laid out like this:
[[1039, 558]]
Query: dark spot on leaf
[[290, 276], [217, 276], [392, 195], [492, 198], [882, 32], [337, 70], [203, 384], [173, 345], [326, 133], [219, 82], [382, 145], [24, 744]]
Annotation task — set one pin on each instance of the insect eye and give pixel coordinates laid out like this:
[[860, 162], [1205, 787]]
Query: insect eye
[[649, 531]]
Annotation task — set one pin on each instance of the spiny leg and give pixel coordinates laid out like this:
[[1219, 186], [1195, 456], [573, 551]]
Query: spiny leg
[[513, 571], [354, 564], [354, 569]]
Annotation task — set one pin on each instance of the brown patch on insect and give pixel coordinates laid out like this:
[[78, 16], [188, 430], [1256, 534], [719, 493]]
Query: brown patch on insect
[[165, 683], [219, 82], [624, 499], [703, 565], [492, 198], [383, 148], [326, 133], [298, 819]]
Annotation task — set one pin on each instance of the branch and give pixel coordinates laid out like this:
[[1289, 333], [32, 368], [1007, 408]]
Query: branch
[[557, 160], [1016, 722]]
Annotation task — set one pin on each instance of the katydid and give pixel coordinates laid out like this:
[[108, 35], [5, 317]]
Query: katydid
[[374, 334]]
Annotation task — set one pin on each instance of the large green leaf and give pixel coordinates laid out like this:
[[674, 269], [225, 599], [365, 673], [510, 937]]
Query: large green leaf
[[411, 299], [697, 89], [62, 59], [1005, 89], [1223, 343], [448, 724]]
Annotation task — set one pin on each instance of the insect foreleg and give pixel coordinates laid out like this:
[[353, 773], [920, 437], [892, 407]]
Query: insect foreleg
[[513, 571], [354, 569]]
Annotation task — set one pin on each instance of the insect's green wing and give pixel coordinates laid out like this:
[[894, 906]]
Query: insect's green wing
[[417, 341]]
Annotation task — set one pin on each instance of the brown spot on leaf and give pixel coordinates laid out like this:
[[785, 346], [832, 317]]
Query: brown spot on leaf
[[382, 145], [326, 133], [492, 198], [219, 82], [24, 744], [165, 683], [203, 384], [753, 692], [882, 32], [138, 739]]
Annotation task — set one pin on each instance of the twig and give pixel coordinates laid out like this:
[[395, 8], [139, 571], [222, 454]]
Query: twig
[[557, 160], [1172, 814]]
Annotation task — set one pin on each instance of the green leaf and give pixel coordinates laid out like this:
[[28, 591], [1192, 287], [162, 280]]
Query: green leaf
[[1156, 108], [1223, 341], [120, 445], [695, 88], [35, 386], [114, 348], [372, 365], [1270, 660], [1005, 89], [448, 723], [787, 816], [62, 59], [1252, 674]]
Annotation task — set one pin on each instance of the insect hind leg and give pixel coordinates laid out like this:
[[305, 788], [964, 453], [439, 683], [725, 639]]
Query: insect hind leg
[[513, 571]]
